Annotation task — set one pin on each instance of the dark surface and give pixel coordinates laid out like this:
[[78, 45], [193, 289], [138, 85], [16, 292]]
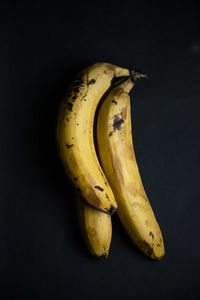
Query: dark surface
[[43, 46]]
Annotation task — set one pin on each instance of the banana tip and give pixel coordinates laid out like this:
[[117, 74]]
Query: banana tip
[[158, 255], [101, 256], [112, 210]]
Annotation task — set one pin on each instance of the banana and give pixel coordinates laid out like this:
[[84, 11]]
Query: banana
[[75, 134], [116, 153], [95, 226]]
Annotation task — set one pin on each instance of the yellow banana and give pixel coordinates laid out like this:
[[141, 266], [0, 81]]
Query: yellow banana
[[75, 134], [116, 152], [95, 226]]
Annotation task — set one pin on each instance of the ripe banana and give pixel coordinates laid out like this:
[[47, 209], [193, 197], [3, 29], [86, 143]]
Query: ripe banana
[[95, 226], [116, 152], [75, 134]]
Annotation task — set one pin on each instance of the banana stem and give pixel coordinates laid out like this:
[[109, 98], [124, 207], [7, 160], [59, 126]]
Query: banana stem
[[137, 75], [127, 82]]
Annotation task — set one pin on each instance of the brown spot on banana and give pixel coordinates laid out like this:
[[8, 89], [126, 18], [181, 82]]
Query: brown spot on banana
[[114, 101], [70, 105], [92, 81], [117, 122], [151, 234], [109, 69], [145, 247], [69, 146], [99, 188]]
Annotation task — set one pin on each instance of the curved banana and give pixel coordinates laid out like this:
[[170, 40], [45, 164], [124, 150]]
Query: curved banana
[[75, 134], [95, 226], [116, 152]]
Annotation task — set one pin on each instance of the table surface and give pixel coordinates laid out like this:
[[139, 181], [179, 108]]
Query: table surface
[[44, 45]]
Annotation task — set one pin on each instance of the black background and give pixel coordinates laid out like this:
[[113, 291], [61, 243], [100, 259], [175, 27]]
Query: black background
[[43, 46]]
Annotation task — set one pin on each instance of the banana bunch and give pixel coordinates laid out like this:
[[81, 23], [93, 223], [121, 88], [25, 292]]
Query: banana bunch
[[95, 117]]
